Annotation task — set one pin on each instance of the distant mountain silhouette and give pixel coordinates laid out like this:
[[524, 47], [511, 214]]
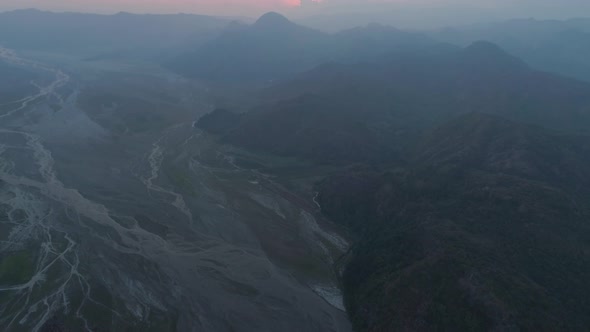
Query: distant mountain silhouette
[[273, 20], [271, 48], [275, 48], [92, 34], [558, 46]]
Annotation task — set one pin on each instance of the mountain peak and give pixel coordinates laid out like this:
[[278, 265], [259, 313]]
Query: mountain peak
[[272, 19]]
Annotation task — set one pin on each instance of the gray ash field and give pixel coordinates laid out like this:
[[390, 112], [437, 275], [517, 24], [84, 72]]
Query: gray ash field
[[116, 214]]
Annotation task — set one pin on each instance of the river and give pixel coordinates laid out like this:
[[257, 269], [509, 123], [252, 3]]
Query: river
[[155, 230]]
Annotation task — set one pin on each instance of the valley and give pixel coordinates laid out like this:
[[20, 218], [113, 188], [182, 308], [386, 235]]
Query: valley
[[184, 172], [111, 225]]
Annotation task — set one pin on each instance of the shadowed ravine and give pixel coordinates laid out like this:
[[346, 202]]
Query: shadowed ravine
[[157, 231]]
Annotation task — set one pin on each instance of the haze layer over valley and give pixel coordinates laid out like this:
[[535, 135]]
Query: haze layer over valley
[[195, 173], [116, 209]]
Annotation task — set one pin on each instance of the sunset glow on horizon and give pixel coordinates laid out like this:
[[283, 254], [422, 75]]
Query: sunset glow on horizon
[[160, 6], [233, 7], [253, 8]]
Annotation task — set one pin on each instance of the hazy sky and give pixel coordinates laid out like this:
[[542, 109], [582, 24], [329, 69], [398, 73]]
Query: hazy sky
[[521, 8]]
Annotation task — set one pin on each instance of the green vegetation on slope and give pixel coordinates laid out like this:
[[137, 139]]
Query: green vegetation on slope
[[16, 268], [477, 224], [373, 112], [486, 228]]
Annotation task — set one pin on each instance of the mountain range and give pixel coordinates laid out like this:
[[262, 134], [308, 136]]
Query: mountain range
[[274, 48], [372, 111], [97, 35], [462, 176], [434, 181], [484, 229], [551, 45]]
